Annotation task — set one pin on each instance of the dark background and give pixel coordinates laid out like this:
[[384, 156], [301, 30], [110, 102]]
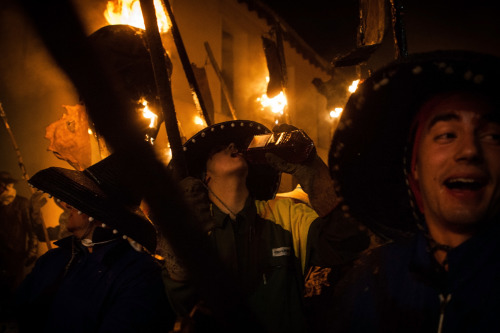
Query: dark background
[[330, 26]]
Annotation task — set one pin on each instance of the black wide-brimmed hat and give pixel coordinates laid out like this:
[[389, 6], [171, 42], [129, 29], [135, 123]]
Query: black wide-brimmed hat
[[372, 143], [101, 192], [262, 181]]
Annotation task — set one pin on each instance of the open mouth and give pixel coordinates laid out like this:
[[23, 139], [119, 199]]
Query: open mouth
[[465, 184]]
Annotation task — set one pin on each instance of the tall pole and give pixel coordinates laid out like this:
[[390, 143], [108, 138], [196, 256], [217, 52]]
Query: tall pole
[[25, 176], [398, 28], [157, 53], [217, 70], [186, 64]]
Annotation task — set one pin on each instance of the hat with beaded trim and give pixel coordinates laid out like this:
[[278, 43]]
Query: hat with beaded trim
[[262, 181], [370, 152], [101, 192]]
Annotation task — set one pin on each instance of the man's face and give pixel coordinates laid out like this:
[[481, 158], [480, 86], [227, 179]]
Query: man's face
[[226, 161], [7, 194], [458, 163], [77, 224]]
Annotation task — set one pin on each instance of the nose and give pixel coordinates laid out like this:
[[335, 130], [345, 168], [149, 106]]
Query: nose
[[470, 149], [232, 148]]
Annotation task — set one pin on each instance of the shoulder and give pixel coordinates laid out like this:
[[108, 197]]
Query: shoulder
[[124, 258], [284, 211], [383, 262]]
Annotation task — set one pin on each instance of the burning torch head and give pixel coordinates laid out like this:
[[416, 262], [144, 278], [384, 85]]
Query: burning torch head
[[124, 52]]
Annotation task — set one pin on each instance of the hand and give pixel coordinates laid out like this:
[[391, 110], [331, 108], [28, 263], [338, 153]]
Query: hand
[[196, 197], [284, 128], [38, 200], [314, 177]]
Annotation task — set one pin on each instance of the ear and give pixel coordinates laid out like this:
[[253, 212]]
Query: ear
[[206, 178]]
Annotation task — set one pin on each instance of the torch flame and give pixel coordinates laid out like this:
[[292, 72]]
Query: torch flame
[[199, 121], [148, 114], [336, 113], [129, 12], [354, 85], [276, 104]]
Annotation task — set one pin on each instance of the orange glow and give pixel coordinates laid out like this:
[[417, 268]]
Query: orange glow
[[336, 113], [276, 104], [148, 114], [199, 121], [352, 88], [129, 12]]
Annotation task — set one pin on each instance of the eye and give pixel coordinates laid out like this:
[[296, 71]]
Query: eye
[[445, 137], [491, 134], [492, 138]]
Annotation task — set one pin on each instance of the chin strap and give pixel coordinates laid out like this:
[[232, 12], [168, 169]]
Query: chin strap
[[87, 242]]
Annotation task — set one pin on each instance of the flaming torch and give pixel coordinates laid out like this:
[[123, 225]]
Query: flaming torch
[[276, 105], [153, 121], [337, 112], [129, 12], [143, 14]]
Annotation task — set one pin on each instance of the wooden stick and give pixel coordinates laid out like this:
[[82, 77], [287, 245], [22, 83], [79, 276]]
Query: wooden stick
[[20, 162], [163, 85], [217, 70], [186, 64]]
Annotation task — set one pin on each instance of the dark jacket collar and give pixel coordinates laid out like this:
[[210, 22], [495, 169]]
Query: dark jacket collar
[[464, 261], [248, 213]]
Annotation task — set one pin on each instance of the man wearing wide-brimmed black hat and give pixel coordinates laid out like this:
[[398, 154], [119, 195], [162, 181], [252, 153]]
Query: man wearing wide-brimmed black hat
[[418, 159], [264, 243], [103, 278]]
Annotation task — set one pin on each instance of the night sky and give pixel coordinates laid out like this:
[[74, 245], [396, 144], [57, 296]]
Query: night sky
[[330, 26]]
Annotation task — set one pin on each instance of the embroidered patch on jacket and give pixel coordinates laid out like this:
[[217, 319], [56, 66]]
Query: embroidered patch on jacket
[[316, 280], [282, 251]]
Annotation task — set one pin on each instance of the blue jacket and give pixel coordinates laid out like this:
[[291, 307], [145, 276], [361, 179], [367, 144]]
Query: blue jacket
[[401, 288], [112, 289]]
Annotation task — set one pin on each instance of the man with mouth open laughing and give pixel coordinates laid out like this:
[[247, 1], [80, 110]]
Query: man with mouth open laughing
[[457, 166], [417, 155]]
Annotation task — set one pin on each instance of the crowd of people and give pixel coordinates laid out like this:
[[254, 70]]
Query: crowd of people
[[399, 232]]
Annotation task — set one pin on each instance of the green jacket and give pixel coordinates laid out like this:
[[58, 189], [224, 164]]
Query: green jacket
[[266, 250]]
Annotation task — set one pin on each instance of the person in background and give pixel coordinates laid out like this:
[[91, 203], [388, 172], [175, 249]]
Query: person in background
[[428, 165], [103, 278], [20, 232], [265, 244]]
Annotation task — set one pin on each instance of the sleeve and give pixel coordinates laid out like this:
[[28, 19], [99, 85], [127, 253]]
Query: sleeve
[[182, 295], [339, 239]]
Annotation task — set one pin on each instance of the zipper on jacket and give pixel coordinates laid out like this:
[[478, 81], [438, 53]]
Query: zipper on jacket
[[443, 300]]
